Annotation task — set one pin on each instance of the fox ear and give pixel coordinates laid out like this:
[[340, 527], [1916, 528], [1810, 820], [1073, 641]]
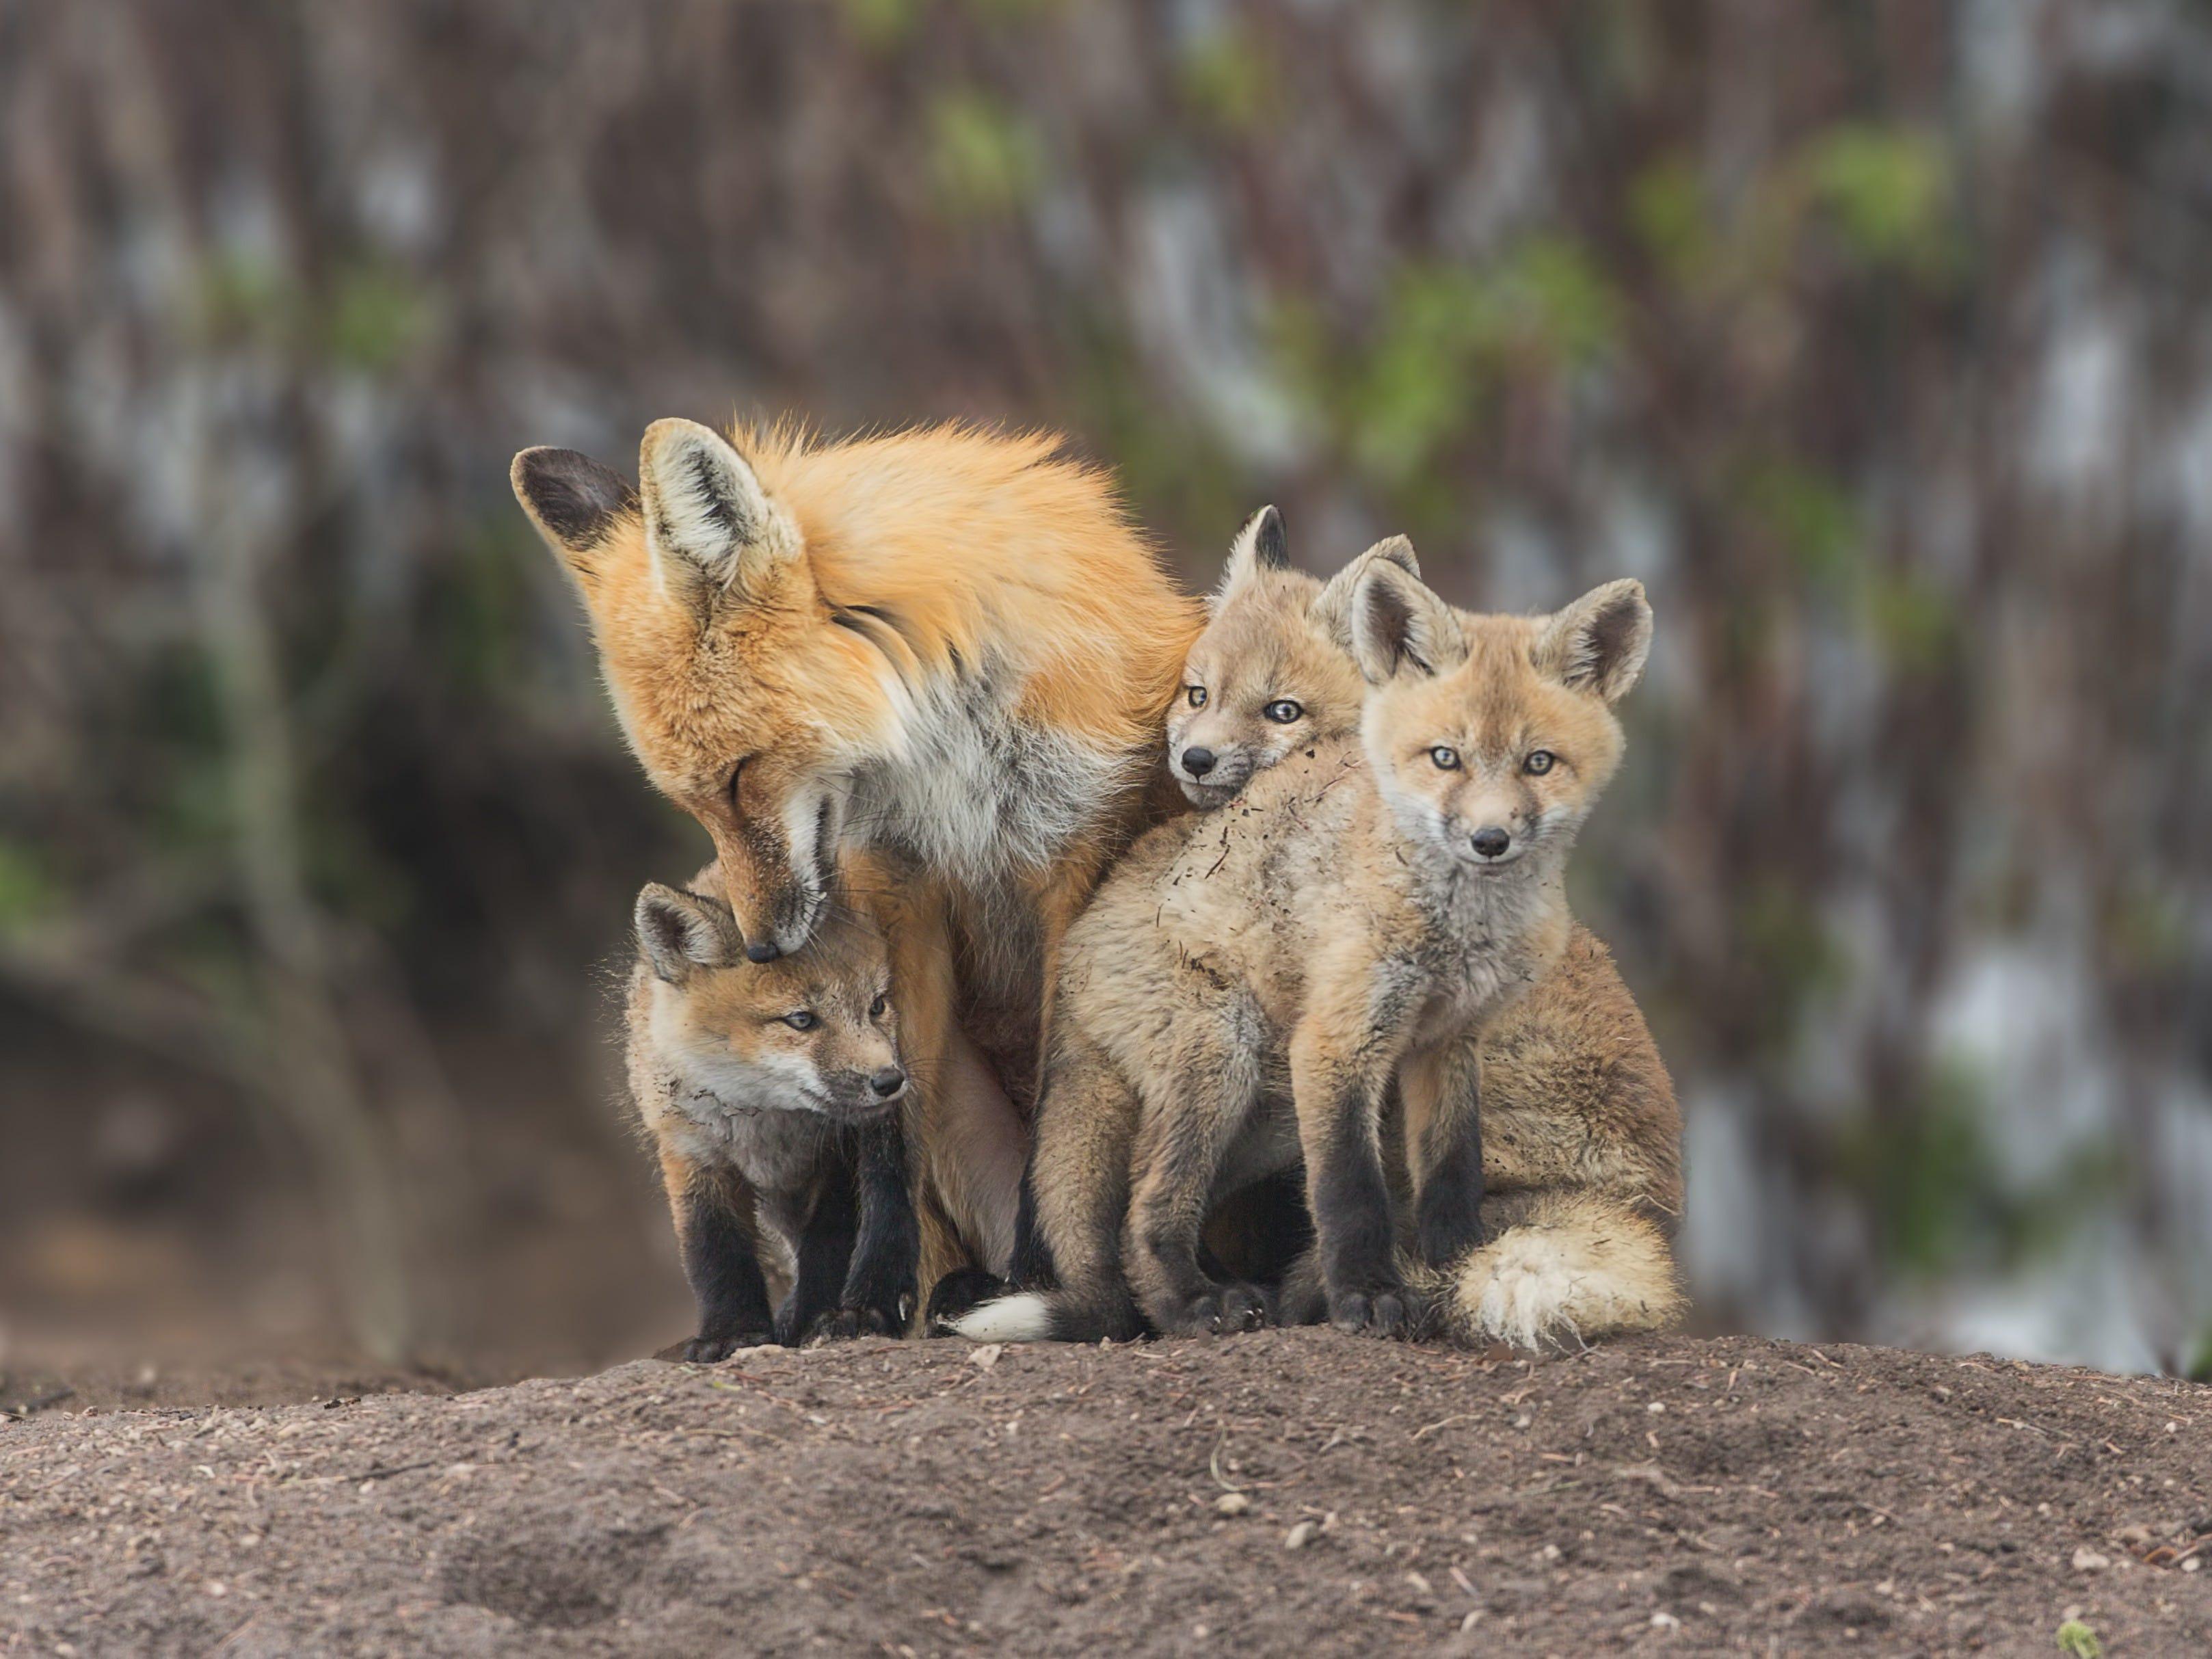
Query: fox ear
[[1598, 644], [1332, 606], [710, 525], [680, 932], [1260, 546], [573, 501], [1399, 627]]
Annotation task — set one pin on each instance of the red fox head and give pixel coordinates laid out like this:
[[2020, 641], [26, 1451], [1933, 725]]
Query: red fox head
[[1273, 668], [744, 693], [813, 1031], [1491, 737]]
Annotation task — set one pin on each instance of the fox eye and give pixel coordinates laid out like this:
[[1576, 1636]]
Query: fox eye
[[1283, 711], [805, 1020], [737, 776], [1539, 762], [877, 1008], [1447, 760], [1196, 694]]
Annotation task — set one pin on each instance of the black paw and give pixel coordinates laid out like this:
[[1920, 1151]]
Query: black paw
[[958, 1293], [712, 1349], [1222, 1310], [1382, 1311], [839, 1323]]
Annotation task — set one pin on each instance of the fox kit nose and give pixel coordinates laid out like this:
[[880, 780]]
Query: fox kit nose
[[763, 950], [887, 1082], [1197, 761], [1492, 841]]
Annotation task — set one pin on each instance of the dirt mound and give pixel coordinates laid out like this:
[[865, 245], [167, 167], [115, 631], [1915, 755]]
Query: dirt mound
[[1287, 1492]]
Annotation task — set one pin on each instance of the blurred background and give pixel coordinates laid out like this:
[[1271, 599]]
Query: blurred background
[[1874, 337]]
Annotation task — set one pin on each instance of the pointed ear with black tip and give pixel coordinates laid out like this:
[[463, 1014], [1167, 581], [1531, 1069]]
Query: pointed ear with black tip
[[1260, 546], [1599, 643], [1331, 607], [574, 502], [712, 528], [1400, 628], [680, 932]]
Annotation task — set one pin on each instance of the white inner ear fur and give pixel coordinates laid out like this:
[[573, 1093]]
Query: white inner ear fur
[[706, 519], [1332, 606], [1601, 641], [1398, 626]]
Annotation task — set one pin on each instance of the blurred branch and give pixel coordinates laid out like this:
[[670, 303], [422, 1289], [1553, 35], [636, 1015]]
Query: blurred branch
[[321, 1090]]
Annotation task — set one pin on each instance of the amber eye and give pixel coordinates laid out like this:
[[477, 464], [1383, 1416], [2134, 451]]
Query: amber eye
[[1447, 760], [877, 1008], [805, 1020], [1284, 711], [1539, 761], [1197, 696]]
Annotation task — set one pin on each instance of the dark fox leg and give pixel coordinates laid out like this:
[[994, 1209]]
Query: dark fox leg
[[1442, 1092], [824, 1252], [715, 1228], [1340, 1077], [879, 1283], [1180, 1146]]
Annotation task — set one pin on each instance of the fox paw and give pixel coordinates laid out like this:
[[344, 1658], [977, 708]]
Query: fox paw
[[712, 1349], [1222, 1310], [1379, 1312], [836, 1324]]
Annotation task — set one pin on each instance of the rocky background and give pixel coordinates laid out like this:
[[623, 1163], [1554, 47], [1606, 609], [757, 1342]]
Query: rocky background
[[1873, 337]]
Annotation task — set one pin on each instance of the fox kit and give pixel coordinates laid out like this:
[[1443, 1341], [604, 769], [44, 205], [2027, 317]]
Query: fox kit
[[946, 643], [1364, 914], [1581, 1137], [780, 1096], [1273, 669]]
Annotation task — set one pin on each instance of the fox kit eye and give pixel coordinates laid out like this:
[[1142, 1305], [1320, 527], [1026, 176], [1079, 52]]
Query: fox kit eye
[[1539, 762], [877, 1009], [1196, 694], [805, 1020], [1284, 711], [1447, 760]]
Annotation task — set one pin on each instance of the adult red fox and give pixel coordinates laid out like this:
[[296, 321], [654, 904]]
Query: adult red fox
[[944, 642]]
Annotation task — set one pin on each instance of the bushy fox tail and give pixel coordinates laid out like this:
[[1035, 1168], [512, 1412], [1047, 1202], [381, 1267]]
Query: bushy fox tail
[[1577, 1266], [1062, 1316]]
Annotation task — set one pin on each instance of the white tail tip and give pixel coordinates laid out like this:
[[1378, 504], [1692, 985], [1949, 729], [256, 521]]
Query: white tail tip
[[1025, 1318]]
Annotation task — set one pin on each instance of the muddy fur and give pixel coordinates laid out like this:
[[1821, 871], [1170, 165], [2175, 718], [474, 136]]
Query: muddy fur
[[1578, 1133]]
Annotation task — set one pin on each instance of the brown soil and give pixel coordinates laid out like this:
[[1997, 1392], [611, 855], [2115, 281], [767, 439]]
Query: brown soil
[[1698, 1495]]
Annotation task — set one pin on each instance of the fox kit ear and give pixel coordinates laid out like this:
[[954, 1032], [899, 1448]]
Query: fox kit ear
[[711, 526], [1260, 546], [1399, 627], [1598, 644], [573, 501], [680, 932], [1332, 606]]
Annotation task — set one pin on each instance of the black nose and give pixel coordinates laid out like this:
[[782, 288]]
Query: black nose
[[763, 950], [1197, 761], [888, 1082], [1492, 841]]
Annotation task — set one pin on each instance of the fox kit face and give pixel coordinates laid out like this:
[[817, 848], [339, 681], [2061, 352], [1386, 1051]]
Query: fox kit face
[[1273, 668], [814, 1032], [1491, 738], [734, 679]]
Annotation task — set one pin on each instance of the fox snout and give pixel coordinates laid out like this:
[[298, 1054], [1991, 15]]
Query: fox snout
[[775, 883], [863, 1093], [1207, 772]]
